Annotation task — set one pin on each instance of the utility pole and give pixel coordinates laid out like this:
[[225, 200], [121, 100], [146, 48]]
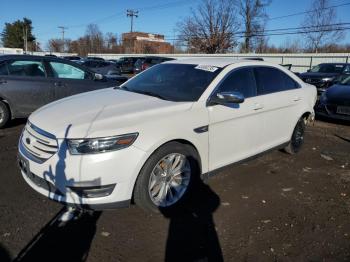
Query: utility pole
[[63, 28], [132, 14], [25, 38]]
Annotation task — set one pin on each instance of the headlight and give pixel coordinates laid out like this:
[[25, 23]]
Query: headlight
[[327, 79], [100, 145]]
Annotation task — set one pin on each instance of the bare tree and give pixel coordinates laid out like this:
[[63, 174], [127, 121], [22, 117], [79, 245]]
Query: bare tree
[[321, 25], [254, 17], [211, 27], [55, 45], [95, 38]]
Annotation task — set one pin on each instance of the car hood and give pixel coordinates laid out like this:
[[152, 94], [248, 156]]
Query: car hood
[[317, 75], [339, 95], [101, 113]]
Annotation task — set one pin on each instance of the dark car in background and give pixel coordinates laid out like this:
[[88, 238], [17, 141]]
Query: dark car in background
[[95, 58], [29, 82], [72, 58], [323, 75], [102, 67], [335, 101], [127, 63], [149, 61]]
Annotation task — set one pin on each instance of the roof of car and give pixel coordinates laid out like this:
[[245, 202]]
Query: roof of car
[[212, 61], [5, 57]]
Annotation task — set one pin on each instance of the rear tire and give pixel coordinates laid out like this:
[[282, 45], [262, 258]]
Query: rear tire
[[297, 139], [4, 114], [167, 178]]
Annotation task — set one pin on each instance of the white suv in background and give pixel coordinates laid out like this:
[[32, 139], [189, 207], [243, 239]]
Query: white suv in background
[[152, 138]]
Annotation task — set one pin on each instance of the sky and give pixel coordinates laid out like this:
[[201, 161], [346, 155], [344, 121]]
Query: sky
[[156, 16]]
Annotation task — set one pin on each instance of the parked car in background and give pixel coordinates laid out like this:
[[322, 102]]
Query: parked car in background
[[72, 58], [323, 75], [127, 64], [95, 58], [138, 65], [149, 61], [152, 139], [335, 101], [29, 82], [102, 67]]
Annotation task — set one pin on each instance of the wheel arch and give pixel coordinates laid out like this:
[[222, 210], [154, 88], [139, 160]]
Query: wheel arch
[[178, 140], [7, 103]]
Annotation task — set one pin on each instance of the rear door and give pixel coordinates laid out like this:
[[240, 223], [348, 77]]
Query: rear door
[[282, 97], [69, 79], [235, 131], [26, 86]]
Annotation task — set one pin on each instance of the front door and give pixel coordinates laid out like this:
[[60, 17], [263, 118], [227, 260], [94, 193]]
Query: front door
[[27, 86], [70, 80], [235, 130]]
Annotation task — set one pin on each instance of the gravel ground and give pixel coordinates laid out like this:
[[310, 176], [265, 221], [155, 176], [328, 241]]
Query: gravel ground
[[274, 208]]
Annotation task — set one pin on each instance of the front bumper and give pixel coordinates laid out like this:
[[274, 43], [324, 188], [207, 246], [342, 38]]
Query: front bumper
[[329, 111], [58, 177]]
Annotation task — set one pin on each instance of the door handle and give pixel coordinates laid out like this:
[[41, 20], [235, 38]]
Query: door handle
[[258, 106], [297, 98], [3, 81]]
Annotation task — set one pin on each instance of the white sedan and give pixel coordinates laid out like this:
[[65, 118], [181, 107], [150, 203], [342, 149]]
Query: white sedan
[[151, 139]]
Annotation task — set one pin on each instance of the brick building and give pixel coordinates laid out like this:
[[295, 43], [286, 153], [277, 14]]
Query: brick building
[[145, 43]]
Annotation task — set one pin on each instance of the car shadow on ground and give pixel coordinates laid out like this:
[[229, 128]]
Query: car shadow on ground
[[192, 235], [58, 241], [16, 122], [4, 254], [332, 121]]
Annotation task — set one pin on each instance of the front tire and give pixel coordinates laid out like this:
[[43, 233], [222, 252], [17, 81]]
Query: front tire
[[4, 114], [297, 139], [167, 177]]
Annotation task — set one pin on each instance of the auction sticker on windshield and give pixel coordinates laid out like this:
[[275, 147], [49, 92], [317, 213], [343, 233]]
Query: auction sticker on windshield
[[208, 68]]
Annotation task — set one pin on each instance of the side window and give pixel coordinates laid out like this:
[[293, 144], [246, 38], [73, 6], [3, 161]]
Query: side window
[[347, 69], [61, 70], [272, 80], [26, 68], [241, 80], [3, 69]]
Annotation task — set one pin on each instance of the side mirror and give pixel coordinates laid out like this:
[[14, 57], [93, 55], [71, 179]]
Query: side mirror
[[224, 98], [308, 70], [98, 76]]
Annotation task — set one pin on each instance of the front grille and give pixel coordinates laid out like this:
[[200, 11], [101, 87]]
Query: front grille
[[40, 182], [312, 81], [39, 144]]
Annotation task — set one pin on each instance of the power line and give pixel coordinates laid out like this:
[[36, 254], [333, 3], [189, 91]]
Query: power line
[[301, 30], [307, 12]]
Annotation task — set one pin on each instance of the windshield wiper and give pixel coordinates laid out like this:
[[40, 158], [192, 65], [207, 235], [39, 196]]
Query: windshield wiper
[[122, 88], [149, 93]]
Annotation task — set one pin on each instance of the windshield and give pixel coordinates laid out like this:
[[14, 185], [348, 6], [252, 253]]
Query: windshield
[[328, 68], [174, 82], [345, 81]]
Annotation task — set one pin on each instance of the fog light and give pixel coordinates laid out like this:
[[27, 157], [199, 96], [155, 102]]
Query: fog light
[[93, 192]]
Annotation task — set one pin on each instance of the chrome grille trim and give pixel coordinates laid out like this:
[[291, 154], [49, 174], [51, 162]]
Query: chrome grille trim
[[37, 144]]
